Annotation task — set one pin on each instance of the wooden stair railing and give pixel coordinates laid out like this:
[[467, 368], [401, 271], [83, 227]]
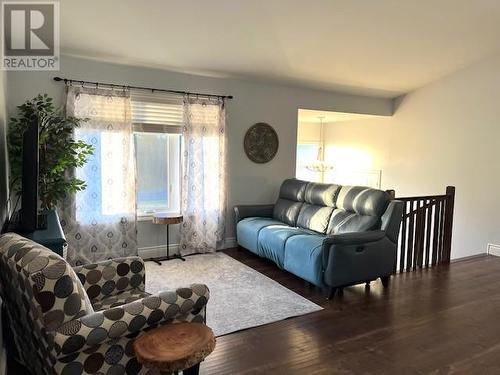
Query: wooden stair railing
[[425, 234]]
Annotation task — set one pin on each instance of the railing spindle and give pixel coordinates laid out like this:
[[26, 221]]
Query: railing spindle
[[411, 230], [428, 225], [402, 243], [435, 238], [426, 231], [441, 233], [420, 230]]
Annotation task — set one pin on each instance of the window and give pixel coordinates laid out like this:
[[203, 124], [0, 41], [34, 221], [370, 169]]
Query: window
[[307, 153], [158, 168], [158, 146]]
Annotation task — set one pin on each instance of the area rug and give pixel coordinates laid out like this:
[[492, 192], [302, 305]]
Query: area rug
[[240, 297]]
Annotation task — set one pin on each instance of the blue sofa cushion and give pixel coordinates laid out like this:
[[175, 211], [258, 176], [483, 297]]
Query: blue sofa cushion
[[272, 240], [358, 209], [343, 221], [321, 194], [303, 257], [314, 217], [247, 231], [363, 200], [293, 189], [318, 206], [290, 201], [286, 211]]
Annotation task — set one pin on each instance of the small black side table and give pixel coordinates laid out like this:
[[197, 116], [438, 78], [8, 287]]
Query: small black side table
[[51, 236], [167, 219]]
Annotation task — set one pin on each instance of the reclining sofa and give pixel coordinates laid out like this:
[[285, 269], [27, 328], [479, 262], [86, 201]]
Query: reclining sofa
[[329, 235]]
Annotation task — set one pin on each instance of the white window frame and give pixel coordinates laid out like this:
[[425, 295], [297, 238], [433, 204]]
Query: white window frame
[[158, 112], [174, 192]]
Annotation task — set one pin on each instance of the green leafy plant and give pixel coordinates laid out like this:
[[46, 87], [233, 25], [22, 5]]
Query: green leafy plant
[[59, 152]]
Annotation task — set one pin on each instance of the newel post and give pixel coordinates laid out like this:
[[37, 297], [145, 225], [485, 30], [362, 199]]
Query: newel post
[[392, 193], [448, 222]]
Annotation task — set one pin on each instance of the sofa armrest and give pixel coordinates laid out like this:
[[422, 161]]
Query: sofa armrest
[[260, 210], [391, 219], [350, 258], [354, 238], [182, 304], [112, 276]]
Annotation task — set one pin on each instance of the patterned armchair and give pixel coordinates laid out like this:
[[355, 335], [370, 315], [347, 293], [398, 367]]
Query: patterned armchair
[[84, 320]]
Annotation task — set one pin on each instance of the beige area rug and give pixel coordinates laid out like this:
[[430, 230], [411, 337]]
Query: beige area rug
[[240, 297]]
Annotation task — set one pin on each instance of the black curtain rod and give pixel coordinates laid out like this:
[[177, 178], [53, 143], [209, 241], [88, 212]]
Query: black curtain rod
[[112, 85]]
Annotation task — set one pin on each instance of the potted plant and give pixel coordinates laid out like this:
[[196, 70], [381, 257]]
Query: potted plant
[[59, 152]]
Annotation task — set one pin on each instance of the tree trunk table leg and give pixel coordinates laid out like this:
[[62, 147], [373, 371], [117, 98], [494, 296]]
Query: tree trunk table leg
[[195, 370]]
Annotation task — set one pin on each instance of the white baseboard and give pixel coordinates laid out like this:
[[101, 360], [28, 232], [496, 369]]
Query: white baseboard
[[493, 249], [161, 250], [157, 251], [230, 242]]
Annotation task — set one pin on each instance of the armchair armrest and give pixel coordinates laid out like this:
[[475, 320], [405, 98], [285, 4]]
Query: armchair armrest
[[182, 304], [112, 276], [355, 238], [259, 210]]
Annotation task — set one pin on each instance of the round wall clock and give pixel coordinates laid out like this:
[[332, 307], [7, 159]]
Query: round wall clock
[[261, 143]]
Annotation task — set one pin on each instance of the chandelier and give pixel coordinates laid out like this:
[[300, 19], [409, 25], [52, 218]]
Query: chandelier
[[319, 165]]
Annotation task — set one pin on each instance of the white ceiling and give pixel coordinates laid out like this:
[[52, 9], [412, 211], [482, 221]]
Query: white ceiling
[[374, 47]]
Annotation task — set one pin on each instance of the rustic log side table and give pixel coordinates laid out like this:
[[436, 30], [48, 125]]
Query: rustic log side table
[[175, 347], [167, 219]]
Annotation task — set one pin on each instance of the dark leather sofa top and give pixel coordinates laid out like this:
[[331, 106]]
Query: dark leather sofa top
[[330, 208]]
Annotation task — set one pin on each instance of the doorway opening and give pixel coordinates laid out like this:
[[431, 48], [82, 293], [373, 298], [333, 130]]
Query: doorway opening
[[320, 158]]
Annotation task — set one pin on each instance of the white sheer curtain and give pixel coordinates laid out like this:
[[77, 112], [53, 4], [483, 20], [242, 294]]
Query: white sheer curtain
[[100, 222], [204, 175]]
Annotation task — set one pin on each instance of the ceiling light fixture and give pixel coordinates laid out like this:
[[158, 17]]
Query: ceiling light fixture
[[319, 165]]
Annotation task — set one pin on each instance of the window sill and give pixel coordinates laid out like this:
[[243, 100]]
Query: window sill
[[144, 217], [149, 217]]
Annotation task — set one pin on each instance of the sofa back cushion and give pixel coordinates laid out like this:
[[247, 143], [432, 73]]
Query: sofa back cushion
[[290, 201], [358, 209], [318, 206], [321, 194], [41, 292]]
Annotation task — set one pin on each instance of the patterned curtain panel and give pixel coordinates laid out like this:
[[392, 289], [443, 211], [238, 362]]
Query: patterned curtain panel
[[204, 175], [100, 222]]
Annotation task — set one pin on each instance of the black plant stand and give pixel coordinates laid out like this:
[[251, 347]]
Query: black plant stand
[[167, 219]]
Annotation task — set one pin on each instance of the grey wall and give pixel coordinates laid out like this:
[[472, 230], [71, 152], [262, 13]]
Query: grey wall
[[3, 152], [253, 102]]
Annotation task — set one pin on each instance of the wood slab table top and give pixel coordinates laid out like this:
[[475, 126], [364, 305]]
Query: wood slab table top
[[167, 218], [174, 347]]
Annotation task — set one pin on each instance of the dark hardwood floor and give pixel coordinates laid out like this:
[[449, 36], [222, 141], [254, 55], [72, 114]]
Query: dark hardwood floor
[[432, 321]]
